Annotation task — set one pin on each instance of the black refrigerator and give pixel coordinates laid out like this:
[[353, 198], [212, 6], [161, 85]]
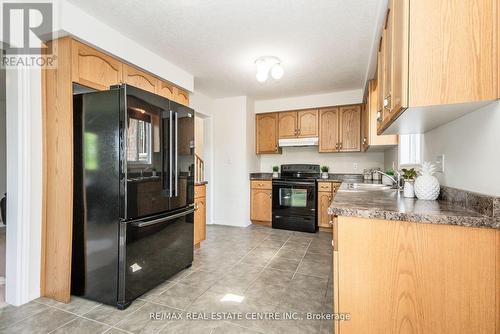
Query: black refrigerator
[[133, 211]]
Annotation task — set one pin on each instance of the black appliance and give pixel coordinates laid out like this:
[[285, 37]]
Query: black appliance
[[133, 193], [294, 198]]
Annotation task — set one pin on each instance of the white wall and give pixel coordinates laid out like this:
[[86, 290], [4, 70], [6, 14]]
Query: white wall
[[310, 101], [234, 158], [471, 146], [391, 158], [338, 162]]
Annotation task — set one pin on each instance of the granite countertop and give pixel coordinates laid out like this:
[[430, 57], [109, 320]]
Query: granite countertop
[[200, 183], [391, 205]]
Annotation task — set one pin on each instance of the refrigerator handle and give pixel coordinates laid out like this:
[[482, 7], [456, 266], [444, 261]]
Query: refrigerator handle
[[176, 154], [170, 193]]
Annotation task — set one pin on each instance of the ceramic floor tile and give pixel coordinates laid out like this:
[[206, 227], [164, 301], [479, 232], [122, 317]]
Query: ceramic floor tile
[[111, 315], [12, 314], [314, 268], [284, 264], [180, 296], [77, 305], [40, 323], [82, 326], [141, 321]]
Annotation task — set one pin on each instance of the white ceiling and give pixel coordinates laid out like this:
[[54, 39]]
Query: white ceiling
[[325, 45]]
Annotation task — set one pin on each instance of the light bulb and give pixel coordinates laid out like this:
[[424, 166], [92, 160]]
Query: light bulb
[[277, 71], [261, 76]]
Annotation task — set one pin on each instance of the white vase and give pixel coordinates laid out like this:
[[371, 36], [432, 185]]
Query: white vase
[[324, 175], [409, 190], [275, 174], [427, 187]]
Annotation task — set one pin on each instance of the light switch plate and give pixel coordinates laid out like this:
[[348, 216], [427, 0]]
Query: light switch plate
[[439, 163]]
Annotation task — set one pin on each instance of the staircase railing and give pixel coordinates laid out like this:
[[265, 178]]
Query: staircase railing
[[199, 169]]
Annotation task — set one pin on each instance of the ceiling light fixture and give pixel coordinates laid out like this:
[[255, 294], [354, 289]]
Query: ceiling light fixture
[[268, 64]]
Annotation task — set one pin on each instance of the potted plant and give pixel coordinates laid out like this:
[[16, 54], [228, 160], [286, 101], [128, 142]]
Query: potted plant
[[409, 176], [385, 179], [276, 170], [324, 172]]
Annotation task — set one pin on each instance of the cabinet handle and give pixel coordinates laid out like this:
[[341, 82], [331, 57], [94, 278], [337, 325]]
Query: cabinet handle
[[364, 140], [340, 146], [379, 116], [387, 104], [330, 198], [337, 146], [270, 196], [333, 244], [298, 130]]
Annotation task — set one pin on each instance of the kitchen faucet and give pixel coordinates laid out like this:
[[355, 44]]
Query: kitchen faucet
[[397, 181]]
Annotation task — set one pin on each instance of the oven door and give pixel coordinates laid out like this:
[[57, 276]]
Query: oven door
[[294, 205]]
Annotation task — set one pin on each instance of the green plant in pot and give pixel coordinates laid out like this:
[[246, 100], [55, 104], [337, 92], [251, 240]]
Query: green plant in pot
[[324, 172], [276, 170], [409, 176]]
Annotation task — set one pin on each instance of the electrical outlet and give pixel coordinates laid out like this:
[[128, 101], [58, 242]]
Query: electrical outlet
[[355, 165], [439, 163]]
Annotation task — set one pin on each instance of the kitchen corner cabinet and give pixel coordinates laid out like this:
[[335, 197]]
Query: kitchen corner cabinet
[[407, 277], [340, 129], [93, 68], [261, 202], [200, 214], [326, 193], [298, 124], [437, 54], [266, 133]]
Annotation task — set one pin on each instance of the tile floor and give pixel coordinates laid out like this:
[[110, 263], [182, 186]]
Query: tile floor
[[275, 270]]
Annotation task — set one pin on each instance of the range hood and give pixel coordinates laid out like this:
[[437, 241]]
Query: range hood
[[298, 142]]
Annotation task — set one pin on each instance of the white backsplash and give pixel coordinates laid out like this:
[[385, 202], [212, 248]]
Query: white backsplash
[[338, 162]]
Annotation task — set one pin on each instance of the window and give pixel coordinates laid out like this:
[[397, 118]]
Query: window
[[410, 150], [139, 141]]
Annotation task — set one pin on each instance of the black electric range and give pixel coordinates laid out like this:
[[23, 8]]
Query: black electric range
[[294, 198]]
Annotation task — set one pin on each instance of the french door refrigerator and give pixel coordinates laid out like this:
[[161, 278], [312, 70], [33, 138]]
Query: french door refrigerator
[[133, 193]]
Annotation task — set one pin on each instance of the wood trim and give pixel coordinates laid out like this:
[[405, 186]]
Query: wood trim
[[57, 224]]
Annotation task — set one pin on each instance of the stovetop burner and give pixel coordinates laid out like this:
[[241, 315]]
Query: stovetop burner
[[300, 171]]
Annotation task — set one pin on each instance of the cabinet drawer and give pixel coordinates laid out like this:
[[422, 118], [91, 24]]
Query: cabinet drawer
[[260, 184], [200, 191], [325, 186]]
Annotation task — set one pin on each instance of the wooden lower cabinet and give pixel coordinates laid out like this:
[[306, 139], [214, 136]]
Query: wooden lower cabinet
[[411, 278], [200, 214], [261, 201], [326, 192]]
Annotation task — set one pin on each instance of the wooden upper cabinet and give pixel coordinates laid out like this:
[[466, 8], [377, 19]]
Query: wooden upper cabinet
[[266, 133], [437, 54], [92, 68], [370, 122], [165, 89], [181, 96], [452, 51], [328, 129], [139, 79], [307, 123], [287, 124], [380, 80], [350, 128]]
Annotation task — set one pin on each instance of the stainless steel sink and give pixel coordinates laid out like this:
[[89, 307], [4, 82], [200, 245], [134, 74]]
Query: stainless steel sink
[[363, 187]]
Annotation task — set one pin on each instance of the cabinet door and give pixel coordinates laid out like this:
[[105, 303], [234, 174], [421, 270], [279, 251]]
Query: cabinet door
[[199, 220], [181, 96], [387, 81], [165, 89], [399, 73], [328, 129], [307, 123], [261, 205], [94, 69], [139, 79], [324, 201], [365, 125], [287, 124], [266, 131], [380, 83], [350, 129]]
